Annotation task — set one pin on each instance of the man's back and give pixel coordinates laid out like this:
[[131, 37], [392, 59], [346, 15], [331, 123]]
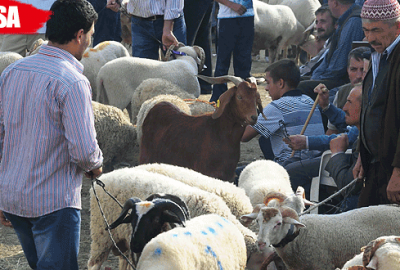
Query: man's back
[[45, 108]]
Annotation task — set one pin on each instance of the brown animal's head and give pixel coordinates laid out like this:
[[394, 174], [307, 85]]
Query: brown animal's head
[[243, 99]]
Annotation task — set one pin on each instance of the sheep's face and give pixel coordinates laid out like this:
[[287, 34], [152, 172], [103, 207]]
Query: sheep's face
[[270, 221], [245, 102]]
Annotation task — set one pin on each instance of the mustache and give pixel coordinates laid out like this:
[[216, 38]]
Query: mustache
[[320, 30], [358, 80], [374, 43]]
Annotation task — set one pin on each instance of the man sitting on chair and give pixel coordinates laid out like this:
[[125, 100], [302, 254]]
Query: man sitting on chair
[[302, 172]]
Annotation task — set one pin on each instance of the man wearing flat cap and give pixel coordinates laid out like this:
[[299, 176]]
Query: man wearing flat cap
[[378, 164]]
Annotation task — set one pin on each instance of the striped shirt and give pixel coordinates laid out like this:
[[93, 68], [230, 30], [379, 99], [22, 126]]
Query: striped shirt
[[288, 115], [171, 9], [47, 135]]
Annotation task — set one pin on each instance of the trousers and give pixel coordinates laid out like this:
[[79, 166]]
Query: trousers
[[50, 241]]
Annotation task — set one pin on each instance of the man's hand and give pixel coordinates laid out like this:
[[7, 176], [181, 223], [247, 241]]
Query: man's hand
[[358, 170], [393, 188], [296, 142], [168, 38], [93, 174], [339, 144], [323, 100], [238, 8], [4, 221], [113, 5]]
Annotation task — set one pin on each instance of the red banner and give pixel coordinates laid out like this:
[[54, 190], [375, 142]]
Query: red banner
[[20, 18]]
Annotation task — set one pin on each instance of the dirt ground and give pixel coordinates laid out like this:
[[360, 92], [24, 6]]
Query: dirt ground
[[11, 254]]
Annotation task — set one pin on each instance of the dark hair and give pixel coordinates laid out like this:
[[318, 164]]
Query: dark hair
[[346, 2], [286, 70], [69, 16], [358, 54], [325, 8]]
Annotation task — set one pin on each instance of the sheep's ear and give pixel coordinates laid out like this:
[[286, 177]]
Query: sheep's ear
[[223, 100], [289, 220], [201, 57], [301, 193], [248, 218]]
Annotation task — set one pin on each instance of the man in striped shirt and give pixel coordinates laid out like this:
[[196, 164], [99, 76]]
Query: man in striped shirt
[[286, 114], [155, 24], [48, 140]]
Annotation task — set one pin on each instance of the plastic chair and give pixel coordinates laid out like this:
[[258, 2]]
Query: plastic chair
[[322, 179]]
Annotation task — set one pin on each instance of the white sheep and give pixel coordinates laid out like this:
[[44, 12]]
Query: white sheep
[[94, 58], [382, 253], [323, 241], [152, 87], [132, 182], [207, 242], [149, 104], [275, 28], [261, 177], [304, 10], [116, 137], [234, 197], [7, 58], [118, 79]]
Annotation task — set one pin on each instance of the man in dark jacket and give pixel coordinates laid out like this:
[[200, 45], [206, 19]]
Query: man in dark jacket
[[379, 161]]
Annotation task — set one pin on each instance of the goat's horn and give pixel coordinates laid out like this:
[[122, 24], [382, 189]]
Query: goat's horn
[[166, 204], [221, 79]]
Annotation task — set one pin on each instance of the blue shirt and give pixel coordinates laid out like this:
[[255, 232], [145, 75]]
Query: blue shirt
[[47, 135], [336, 67], [288, 114]]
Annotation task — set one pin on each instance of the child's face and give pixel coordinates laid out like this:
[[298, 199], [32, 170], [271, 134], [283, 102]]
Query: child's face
[[272, 87]]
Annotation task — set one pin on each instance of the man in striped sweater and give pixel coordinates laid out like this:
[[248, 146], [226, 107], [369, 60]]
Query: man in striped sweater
[[48, 140], [286, 114]]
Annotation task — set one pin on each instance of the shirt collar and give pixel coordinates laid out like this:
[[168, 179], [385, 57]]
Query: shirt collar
[[63, 54], [293, 93], [375, 56]]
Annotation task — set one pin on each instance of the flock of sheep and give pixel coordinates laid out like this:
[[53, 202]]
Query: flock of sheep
[[184, 216]]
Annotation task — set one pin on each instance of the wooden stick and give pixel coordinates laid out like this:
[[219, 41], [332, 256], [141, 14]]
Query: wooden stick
[[308, 119]]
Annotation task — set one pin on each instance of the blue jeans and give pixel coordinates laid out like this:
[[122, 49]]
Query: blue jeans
[[147, 35], [50, 241], [235, 36]]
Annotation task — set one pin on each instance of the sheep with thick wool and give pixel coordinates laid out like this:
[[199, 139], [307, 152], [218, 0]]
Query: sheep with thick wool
[[382, 253], [118, 79], [7, 58], [132, 182], [234, 197], [153, 87], [275, 28], [261, 177], [179, 103], [323, 241], [116, 137], [94, 58], [304, 10], [207, 242]]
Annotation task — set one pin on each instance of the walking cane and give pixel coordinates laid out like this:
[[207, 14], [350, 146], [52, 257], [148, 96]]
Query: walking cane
[[324, 90]]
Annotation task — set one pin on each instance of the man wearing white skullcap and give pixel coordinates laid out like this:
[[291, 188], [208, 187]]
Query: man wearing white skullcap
[[378, 164]]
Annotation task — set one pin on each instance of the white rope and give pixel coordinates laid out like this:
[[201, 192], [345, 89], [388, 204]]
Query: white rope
[[330, 197]]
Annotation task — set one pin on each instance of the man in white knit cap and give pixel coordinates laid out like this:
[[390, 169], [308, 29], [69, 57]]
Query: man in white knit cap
[[378, 164]]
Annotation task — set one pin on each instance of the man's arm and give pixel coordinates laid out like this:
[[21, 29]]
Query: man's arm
[[393, 188], [340, 166], [78, 121], [249, 133], [238, 8]]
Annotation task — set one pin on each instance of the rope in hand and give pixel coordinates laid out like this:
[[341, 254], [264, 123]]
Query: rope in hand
[[100, 183], [352, 183]]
